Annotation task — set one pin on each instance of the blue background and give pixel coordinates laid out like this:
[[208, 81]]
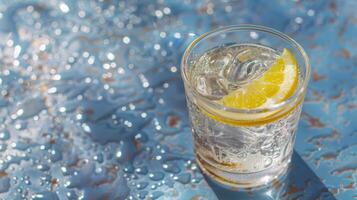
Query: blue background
[[92, 105]]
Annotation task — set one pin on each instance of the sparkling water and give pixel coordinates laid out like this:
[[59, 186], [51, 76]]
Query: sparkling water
[[247, 155]]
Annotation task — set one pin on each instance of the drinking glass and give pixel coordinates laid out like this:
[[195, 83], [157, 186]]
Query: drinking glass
[[243, 148]]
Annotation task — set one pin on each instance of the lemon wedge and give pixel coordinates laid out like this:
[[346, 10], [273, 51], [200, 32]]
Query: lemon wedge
[[276, 85]]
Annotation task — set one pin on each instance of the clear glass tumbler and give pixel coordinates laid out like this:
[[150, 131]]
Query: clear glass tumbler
[[248, 147]]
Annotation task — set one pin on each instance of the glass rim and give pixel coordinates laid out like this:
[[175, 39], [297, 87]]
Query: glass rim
[[247, 27]]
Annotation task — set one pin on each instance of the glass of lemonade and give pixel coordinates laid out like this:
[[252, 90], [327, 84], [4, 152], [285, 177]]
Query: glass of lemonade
[[245, 86]]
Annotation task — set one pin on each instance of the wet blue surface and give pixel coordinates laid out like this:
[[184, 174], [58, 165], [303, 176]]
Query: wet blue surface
[[92, 104]]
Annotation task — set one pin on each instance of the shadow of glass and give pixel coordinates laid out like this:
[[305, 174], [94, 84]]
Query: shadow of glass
[[299, 183]]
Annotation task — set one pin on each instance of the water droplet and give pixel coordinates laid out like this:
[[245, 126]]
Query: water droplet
[[45, 195], [29, 108], [129, 169], [156, 195], [153, 186], [311, 12], [126, 40], [64, 7], [171, 167], [43, 167], [142, 185], [142, 194], [156, 176], [110, 56], [4, 135], [19, 145], [71, 195], [298, 20], [183, 178], [4, 183], [55, 155], [141, 170], [98, 158]]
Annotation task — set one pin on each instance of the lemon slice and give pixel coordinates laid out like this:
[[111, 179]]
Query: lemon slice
[[276, 85]]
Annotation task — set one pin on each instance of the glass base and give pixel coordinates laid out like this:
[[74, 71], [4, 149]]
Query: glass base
[[242, 180]]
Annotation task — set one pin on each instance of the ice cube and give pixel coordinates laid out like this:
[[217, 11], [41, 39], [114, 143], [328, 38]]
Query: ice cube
[[208, 86], [225, 69], [220, 60], [248, 65]]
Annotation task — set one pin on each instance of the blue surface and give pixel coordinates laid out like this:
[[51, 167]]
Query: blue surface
[[92, 104]]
